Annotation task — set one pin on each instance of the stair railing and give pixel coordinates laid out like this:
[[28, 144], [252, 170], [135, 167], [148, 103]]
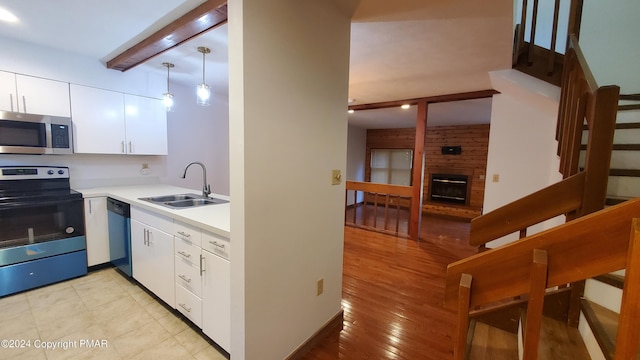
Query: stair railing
[[539, 61], [581, 192], [381, 208], [592, 245]]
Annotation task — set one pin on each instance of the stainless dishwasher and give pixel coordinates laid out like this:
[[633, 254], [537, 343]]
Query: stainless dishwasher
[[119, 216]]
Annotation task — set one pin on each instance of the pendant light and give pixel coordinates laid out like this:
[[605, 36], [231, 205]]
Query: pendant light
[[203, 91], [167, 98]]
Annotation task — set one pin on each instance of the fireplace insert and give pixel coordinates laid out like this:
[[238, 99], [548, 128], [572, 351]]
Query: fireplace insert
[[449, 188]]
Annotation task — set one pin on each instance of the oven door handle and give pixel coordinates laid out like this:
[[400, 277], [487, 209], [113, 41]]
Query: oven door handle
[[30, 204]]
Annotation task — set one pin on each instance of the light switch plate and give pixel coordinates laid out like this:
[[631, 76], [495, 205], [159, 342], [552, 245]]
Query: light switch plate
[[336, 177]]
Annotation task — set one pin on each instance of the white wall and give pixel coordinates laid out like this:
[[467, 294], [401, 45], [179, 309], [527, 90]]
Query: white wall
[[522, 146], [609, 41], [198, 133], [288, 67], [356, 157]]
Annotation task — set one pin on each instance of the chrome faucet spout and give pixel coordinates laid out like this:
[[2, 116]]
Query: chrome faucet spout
[[206, 188]]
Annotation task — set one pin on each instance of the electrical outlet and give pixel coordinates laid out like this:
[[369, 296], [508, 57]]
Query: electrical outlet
[[496, 177], [320, 287]]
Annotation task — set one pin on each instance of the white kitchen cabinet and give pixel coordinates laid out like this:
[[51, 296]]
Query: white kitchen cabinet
[[98, 120], [146, 125], [152, 254], [8, 91], [216, 299], [110, 122], [34, 95], [96, 230]]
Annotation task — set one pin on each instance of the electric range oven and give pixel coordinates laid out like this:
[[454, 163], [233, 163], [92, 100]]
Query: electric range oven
[[42, 237]]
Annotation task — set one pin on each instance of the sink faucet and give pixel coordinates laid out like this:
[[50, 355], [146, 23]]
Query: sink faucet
[[206, 189]]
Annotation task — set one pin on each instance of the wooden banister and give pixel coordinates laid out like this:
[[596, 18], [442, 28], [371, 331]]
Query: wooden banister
[[554, 200], [588, 246], [379, 188]]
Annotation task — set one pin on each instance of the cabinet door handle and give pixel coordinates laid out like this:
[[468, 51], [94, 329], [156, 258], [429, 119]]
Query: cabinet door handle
[[144, 238], [184, 234], [24, 104], [11, 100], [122, 145], [183, 277], [184, 254], [90, 208], [130, 148], [201, 269], [187, 309], [215, 243], [149, 237]]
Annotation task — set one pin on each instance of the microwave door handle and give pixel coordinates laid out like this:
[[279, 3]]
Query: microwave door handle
[[11, 101]]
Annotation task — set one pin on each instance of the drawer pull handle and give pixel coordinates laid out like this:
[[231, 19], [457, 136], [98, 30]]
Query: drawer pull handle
[[184, 254], [201, 268], [183, 277], [215, 243], [187, 309], [184, 234]]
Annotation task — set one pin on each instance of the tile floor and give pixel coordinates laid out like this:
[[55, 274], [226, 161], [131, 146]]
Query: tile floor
[[103, 307]]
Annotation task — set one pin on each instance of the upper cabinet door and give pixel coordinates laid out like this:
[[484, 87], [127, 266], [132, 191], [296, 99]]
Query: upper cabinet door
[[8, 95], [146, 125], [42, 96], [98, 120]]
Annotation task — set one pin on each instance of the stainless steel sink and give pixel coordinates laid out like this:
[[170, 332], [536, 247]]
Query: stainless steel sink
[[196, 202], [181, 201], [166, 198]]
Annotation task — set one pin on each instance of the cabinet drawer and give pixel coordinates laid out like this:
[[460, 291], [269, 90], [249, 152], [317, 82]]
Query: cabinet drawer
[[188, 233], [216, 244], [188, 276], [189, 305], [159, 222], [187, 252]]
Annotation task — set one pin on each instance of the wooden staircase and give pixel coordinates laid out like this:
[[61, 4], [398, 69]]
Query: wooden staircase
[[600, 306], [594, 242]]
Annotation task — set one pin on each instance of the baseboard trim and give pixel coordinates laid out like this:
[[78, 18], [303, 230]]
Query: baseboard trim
[[330, 326]]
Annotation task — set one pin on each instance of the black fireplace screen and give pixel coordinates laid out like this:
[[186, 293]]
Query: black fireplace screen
[[449, 188]]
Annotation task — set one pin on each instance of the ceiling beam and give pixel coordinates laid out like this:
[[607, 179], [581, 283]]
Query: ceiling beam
[[429, 100], [208, 15]]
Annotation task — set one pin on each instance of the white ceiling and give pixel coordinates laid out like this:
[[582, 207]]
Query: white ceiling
[[399, 50]]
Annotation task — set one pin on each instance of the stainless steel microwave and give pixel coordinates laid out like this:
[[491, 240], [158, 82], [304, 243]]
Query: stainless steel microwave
[[34, 134]]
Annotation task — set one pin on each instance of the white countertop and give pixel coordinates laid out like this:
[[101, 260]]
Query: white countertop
[[213, 218]]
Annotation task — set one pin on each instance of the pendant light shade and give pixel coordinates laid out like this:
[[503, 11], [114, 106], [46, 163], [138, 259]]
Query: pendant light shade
[[167, 98], [203, 91]]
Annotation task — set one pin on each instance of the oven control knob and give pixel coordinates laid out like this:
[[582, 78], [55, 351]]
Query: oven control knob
[[50, 172], [61, 172], [70, 230]]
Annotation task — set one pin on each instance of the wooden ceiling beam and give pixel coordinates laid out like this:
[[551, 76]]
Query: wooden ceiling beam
[[208, 15], [429, 100]]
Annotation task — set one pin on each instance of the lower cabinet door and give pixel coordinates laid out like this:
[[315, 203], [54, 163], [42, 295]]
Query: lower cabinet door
[[189, 305], [216, 299]]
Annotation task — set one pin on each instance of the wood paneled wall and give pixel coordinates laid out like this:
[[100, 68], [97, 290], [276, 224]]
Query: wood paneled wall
[[474, 140]]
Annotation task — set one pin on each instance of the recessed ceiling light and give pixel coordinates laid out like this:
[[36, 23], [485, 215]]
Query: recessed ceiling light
[[6, 15], [351, 111], [405, 106]]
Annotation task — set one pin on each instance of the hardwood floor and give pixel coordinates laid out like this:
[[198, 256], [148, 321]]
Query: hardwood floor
[[393, 292]]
